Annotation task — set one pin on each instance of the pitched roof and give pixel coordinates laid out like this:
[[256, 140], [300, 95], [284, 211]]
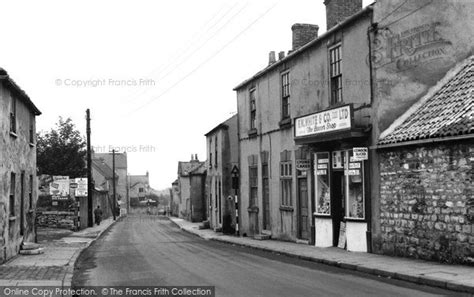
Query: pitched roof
[[103, 168], [446, 110], [11, 84], [223, 125], [193, 167], [137, 179], [120, 159], [363, 12]]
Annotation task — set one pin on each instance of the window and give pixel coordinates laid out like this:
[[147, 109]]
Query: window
[[285, 95], [253, 110], [335, 74], [210, 153], [355, 188], [31, 192], [253, 176], [286, 178], [140, 190], [13, 116], [215, 151], [322, 193], [32, 129], [12, 194]]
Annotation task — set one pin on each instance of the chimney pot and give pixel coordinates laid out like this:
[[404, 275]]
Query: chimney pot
[[271, 58], [303, 33], [192, 157], [281, 55], [196, 157], [339, 10]]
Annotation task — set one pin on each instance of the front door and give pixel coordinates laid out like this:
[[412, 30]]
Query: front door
[[337, 202], [22, 204], [266, 198], [303, 222]]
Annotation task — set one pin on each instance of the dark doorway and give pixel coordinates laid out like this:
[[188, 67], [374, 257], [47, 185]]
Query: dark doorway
[[266, 198], [303, 223], [337, 203], [22, 204]]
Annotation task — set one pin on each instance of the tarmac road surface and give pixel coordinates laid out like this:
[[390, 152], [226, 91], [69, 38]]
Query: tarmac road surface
[[147, 250]]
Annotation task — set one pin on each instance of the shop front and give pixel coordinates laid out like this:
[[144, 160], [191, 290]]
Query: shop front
[[339, 177]]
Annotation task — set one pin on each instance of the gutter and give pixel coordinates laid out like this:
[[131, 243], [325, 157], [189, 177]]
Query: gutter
[[306, 46]]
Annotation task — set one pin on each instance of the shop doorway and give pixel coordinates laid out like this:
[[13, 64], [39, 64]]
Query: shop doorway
[[303, 228], [337, 202]]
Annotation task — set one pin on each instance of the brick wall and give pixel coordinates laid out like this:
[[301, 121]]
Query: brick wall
[[303, 33], [427, 202], [339, 10]]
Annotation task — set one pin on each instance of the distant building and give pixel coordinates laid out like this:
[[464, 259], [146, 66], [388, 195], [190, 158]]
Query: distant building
[[222, 158], [18, 183], [139, 187], [191, 183], [122, 185]]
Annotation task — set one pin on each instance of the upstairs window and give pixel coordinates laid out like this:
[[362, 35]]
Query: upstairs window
[[13, 116], [215, 151], [253, 109], [335, 74], [32, 129], [285, 95], [210, 153]]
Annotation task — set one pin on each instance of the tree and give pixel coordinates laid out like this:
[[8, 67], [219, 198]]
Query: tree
[[62, 151]]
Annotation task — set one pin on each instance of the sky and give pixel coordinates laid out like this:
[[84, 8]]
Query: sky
[[156, 75]]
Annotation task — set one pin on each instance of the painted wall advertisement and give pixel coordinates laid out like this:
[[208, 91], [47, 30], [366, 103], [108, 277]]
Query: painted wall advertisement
[[322, 122]]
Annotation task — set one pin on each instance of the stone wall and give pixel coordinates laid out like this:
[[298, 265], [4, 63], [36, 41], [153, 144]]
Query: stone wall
[[427, 202], [57, 219]]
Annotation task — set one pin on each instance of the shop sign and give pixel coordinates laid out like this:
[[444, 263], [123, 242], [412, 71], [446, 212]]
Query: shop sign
[[360, 154], [331, 120], [352, 172], [302, 164], [321, 172]]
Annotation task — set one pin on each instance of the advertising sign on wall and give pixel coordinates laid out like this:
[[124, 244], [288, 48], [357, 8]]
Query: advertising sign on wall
[[81, 190], [59, 187], [325, 121]]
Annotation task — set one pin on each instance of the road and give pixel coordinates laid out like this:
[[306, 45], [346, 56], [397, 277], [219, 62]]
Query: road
[[152, 251]]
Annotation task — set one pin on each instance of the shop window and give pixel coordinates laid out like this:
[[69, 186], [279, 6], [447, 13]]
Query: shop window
[[354, 171], [321, 173]]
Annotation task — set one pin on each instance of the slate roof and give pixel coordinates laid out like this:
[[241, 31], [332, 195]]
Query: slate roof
[[137, 179], [10, 83], [120, 159], [448, 111], [103, 168], [193, 167]]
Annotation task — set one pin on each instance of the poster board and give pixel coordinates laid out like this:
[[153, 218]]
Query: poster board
[[342, 236]]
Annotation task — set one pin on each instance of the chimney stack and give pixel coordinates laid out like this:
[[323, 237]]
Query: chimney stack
[[192, 157], [271, 58], [303, 33], [339, 10], [196, 158], [281, 55]]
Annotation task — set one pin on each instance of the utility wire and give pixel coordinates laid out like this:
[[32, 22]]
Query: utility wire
[[215, 53], [179, 60]]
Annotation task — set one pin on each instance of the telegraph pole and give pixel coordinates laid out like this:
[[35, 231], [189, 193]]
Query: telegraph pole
[[90, 223], [114, 210]]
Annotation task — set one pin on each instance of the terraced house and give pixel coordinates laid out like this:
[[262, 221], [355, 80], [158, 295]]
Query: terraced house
[[316, 163], [18, 183]]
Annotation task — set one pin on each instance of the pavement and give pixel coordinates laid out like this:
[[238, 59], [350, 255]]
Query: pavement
[[55, 266], [452, 277]]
